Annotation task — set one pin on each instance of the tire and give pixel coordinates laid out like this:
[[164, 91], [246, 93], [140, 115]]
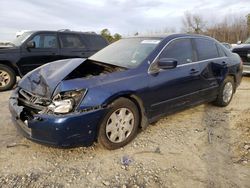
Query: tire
[[120, 124], [226, 92], [7, 78]]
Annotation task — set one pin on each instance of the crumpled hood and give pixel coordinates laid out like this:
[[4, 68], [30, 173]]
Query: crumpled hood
[[43, 80]]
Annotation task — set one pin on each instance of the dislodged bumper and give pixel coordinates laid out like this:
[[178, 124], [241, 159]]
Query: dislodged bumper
[[58, 130]]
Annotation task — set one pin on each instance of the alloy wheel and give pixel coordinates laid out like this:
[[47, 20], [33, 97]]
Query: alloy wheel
[[4, 78], [227, 92]]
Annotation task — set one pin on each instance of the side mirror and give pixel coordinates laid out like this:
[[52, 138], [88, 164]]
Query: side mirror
[[239, 42], [167, 63], [31, 44]]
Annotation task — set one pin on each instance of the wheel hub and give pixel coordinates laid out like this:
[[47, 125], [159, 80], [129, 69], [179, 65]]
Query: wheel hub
[[227, 92], [120, 125], [4, 78]]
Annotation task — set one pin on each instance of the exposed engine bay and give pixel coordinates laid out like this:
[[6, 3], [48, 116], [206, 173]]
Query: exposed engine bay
[[92, 68]]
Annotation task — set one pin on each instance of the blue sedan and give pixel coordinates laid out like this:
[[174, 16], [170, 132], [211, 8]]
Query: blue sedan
[[122, 88]]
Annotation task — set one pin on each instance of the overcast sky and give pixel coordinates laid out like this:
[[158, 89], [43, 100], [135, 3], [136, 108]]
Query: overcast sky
[[123, 16]]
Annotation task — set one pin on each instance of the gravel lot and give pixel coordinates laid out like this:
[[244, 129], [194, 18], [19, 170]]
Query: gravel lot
[[205, 146]]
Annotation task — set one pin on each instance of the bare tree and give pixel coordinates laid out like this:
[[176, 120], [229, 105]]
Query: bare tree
[[236, 29], [231, 29], [193, 23]]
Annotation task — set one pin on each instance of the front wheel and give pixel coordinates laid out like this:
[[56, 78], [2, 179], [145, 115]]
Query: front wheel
[[226, 92], [120, 125]]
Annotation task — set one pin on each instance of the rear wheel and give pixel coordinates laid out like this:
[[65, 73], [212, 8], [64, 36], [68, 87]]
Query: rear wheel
[[7, 78], [120, 124], [226, 92]]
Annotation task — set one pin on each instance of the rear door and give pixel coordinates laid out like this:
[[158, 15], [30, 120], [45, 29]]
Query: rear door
[[72, 46], [46, 50], [213, 65], [174, 88]]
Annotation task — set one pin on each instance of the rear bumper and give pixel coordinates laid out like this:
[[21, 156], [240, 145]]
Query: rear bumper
[[61, 131], [246, 68]]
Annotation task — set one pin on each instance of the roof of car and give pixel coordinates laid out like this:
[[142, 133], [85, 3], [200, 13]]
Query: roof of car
[[66, 31], [172, 35]]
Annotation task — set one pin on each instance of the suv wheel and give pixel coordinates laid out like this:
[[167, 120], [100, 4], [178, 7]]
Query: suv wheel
[[226, 92], [120, 124], [7, 78]]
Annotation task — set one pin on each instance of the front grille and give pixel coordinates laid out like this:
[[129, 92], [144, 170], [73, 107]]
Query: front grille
[[28, 99]]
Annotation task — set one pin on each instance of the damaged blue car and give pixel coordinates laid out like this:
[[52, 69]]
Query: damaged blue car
[[122, 88]]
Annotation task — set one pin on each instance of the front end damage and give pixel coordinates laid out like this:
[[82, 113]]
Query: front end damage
[[46, 105], [44, 112], [36, 122]]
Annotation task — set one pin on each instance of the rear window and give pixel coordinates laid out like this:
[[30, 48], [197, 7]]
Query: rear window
[[221, 51], [206, 49], [95, 41]]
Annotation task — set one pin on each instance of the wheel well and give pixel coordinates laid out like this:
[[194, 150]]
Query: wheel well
[[139, 104], [9, 64]]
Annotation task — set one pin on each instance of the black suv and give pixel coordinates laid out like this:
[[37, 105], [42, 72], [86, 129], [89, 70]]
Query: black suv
[[35, 48], [244, 52]]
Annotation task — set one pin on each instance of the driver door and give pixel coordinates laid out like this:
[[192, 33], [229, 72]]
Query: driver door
[[171, 89]]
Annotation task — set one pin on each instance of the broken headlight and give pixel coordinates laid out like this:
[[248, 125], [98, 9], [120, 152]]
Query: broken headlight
[[66, 102]]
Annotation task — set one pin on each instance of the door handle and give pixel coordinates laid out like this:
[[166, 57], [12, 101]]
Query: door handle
[[224, 64], [193, 71]]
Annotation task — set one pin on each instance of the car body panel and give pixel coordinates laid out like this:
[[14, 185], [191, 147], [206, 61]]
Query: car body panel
[[68, 130]]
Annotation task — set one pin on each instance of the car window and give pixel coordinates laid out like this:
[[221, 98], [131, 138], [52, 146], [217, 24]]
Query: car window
[[71, 41], [180, 49], [220, 51], [45, 41], [206, 49], [94, 41]]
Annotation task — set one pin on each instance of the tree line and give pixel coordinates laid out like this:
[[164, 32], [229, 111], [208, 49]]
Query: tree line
[[232, 29], [109, 37]]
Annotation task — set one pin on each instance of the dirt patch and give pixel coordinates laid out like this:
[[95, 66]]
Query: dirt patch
[[205, 146]]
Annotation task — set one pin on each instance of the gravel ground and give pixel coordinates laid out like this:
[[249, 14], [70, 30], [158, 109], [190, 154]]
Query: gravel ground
[[205, 146]]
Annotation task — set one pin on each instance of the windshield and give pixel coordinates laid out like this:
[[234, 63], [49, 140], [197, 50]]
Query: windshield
[[247, 41], [128, 53], [19, 40]]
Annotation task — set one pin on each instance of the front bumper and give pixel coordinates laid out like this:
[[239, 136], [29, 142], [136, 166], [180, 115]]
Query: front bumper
[[58, 130]]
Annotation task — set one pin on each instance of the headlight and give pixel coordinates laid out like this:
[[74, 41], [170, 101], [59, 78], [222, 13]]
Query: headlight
[[61, 107], [66, 102]]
